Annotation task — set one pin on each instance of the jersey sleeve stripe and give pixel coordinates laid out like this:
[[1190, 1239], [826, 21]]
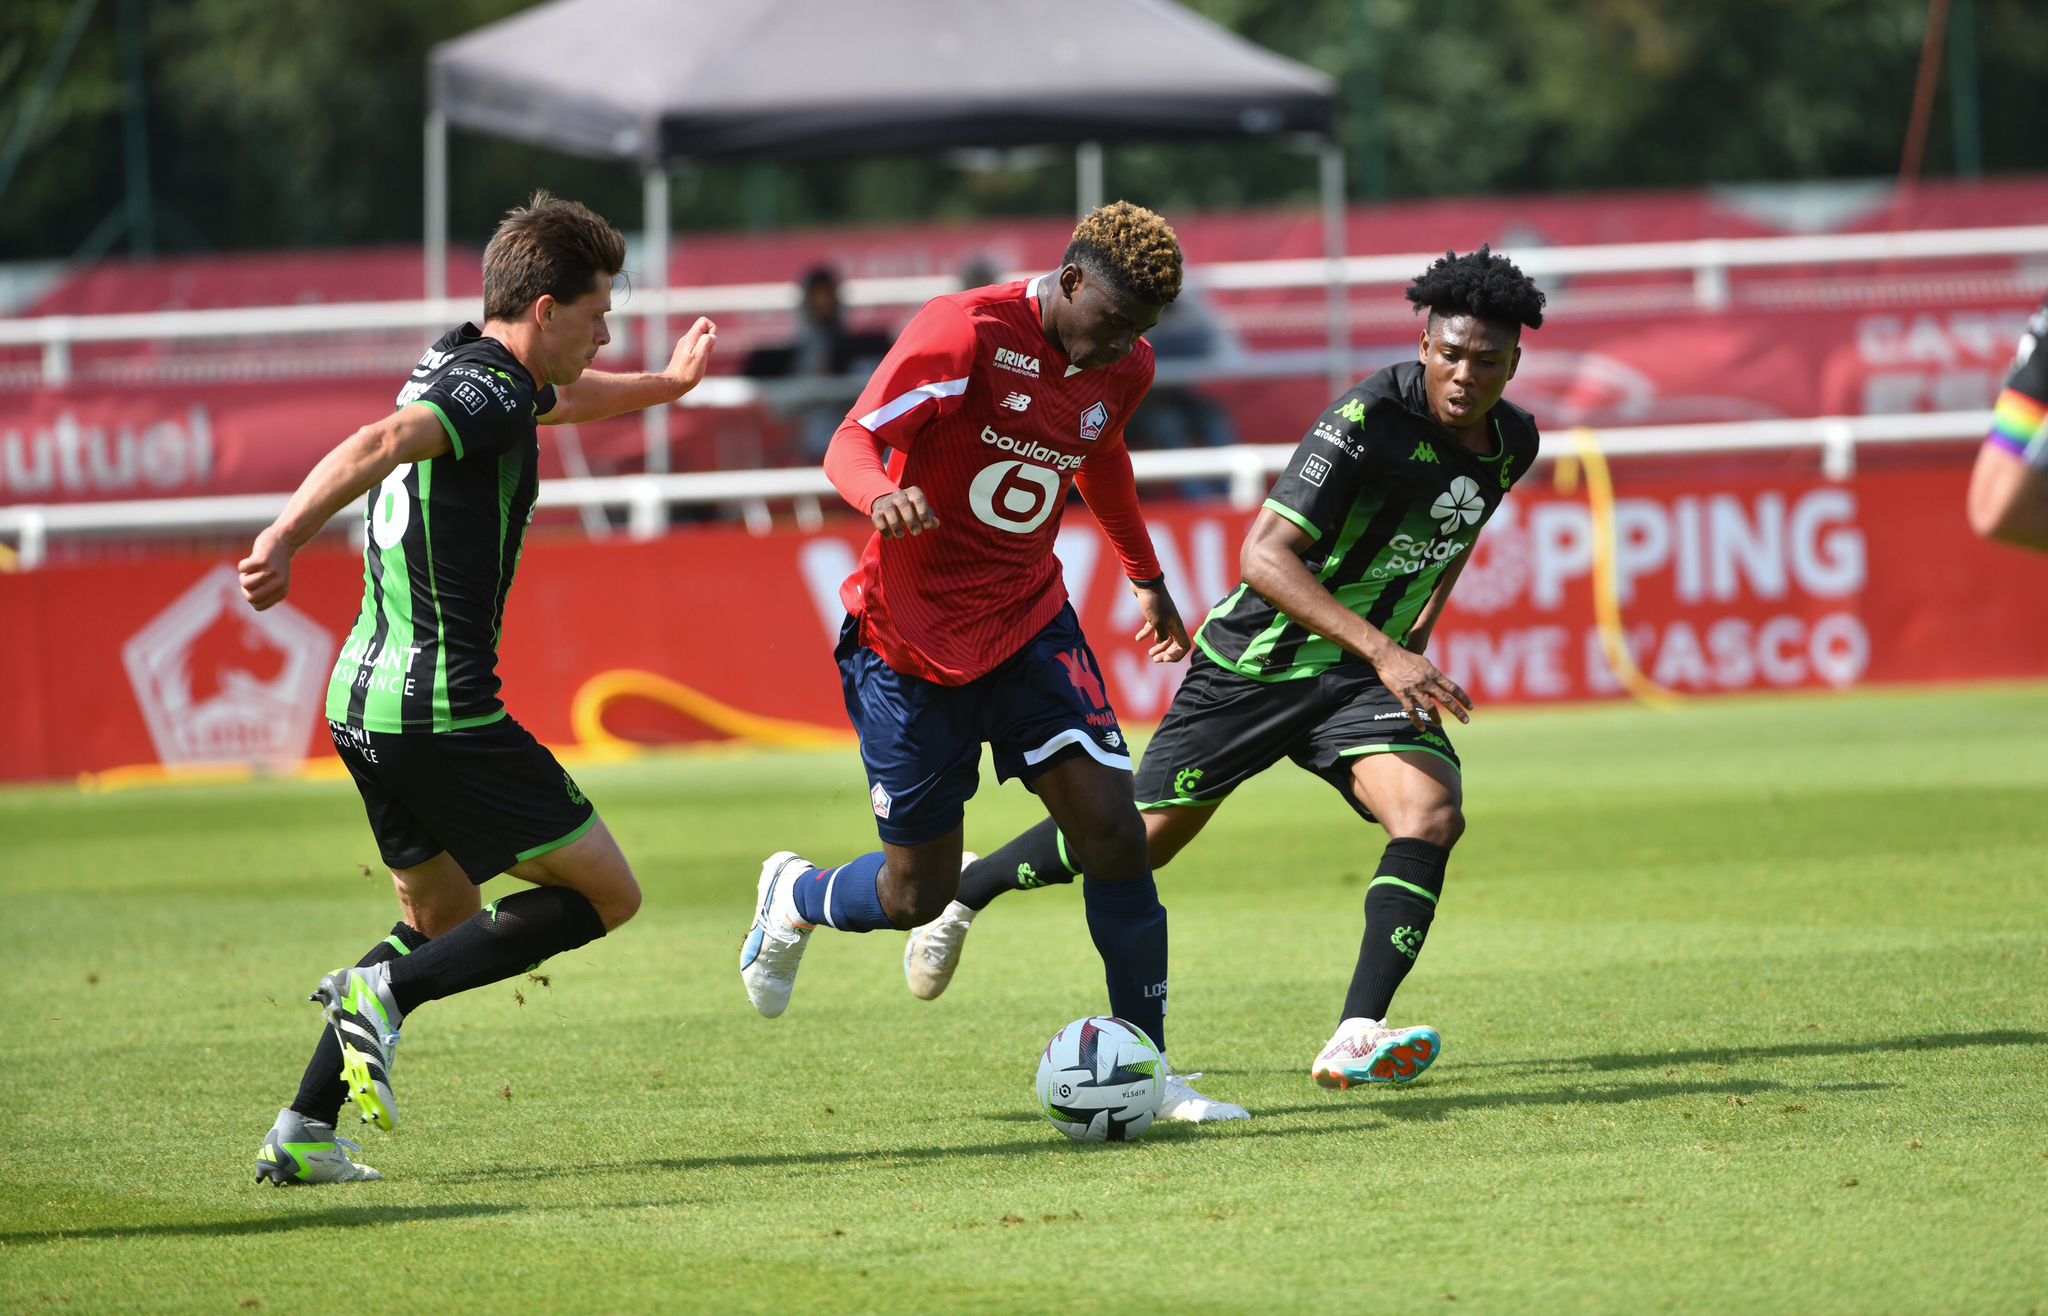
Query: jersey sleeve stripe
[[899, 406], [446, 424], [1283, 510]]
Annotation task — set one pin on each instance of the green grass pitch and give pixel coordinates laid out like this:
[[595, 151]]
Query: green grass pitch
[[1745, 1008]]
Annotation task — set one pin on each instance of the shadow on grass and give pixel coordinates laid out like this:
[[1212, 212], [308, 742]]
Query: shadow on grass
[[1162, 1135], [1729, 1055], [334, 1217], [1435, 1101]]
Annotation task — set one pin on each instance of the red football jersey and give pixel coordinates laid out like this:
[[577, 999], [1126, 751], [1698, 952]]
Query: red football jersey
[[981, 411]]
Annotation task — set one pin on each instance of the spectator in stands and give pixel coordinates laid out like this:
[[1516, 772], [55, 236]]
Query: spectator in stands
[[824, 350], [2008, 498]]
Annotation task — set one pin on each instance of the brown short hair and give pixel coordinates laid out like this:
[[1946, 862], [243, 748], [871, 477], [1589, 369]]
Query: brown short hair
[[548, 247], [1132, 248]]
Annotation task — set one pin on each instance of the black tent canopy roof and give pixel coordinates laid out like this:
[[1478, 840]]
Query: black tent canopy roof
[[647, 81]]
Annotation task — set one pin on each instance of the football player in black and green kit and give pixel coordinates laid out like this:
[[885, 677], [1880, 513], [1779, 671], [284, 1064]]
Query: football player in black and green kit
[[456, 791], [1317, 655]]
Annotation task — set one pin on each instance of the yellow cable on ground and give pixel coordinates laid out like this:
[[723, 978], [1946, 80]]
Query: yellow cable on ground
[[1606, 576], [600, 692]]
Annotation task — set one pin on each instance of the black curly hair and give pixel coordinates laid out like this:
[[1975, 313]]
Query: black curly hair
[[1482, 285]]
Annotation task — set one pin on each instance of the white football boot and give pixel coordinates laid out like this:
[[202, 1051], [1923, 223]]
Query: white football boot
[[302, 1151], [775, 944], [1367, 1051], [933, 951], [1180, 1102]]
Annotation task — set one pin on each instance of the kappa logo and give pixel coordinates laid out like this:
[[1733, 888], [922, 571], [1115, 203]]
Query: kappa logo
[[1094, 421], [881, 800], [1423, 453], [1017, 362], [1353, 411], [1507, 471], [1017, 402]]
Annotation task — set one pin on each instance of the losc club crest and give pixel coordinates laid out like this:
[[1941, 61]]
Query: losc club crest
[[219, 683], [1094, 421]]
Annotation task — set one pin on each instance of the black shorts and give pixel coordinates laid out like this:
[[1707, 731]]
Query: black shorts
[[491, 796], [1224, 729]]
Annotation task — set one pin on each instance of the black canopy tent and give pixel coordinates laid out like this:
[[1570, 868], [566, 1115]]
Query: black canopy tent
[[649, 82]]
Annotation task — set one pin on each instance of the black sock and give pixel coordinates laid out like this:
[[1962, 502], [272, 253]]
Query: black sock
[[1398, 908], [508, 936], [1037, 858], [321, 1091]]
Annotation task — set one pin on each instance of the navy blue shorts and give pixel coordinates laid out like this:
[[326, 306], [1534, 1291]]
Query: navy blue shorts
[[921, 741]]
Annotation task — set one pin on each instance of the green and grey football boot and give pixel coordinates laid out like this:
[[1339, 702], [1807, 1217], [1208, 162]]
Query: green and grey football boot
[[302, 1151], [358, 1003]]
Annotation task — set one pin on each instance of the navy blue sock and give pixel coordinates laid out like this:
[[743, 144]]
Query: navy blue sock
[[848, 897], [1128, 925]]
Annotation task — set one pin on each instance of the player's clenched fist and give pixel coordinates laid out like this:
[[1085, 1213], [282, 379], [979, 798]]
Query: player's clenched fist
[[904, 512], [267, 572]]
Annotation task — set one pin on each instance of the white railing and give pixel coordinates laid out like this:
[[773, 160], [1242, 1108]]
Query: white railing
[[1707, 261], [1247, 468]]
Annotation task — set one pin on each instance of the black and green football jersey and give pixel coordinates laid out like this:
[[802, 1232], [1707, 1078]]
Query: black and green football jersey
[[1390, 500], [444, 541]]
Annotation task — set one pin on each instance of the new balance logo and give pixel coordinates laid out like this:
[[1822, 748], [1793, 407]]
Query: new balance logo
[[1017, 402], [1423, 453]]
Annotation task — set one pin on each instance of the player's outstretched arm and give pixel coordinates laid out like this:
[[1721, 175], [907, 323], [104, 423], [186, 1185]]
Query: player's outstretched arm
[[1272, 565], [2008, 499], [600, 394], [355, 466]]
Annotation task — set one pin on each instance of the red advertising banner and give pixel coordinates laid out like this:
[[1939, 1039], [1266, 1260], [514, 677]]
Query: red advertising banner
[[1726, 582], [1620, 349]]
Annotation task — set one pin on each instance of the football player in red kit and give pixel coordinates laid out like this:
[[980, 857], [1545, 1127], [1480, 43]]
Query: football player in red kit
[[958, 632]]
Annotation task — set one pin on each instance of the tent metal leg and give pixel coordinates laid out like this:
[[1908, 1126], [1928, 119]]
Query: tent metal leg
[[655, 325], [1338, 287], [437, 205], [1087, 178]]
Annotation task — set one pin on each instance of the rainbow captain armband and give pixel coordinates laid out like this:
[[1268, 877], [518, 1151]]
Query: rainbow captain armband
[[2019, 425]]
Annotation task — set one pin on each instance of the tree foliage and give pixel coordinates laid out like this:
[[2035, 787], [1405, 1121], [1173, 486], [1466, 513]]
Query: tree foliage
[[274, 123]]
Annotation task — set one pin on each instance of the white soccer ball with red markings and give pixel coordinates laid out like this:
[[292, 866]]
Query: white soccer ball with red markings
[[1099, 1080]]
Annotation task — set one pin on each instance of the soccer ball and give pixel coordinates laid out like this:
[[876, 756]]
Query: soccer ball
[[1099, 1080]]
